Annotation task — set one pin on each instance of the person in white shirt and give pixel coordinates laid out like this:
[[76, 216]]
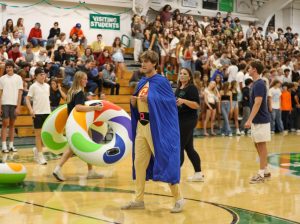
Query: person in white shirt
[[11, 88], [39, 93], [41, 56], [286, 76], [275, 94], [232, 70]]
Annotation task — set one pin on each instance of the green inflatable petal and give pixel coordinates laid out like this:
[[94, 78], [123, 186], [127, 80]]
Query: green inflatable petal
[[49, 141], [83, 145]]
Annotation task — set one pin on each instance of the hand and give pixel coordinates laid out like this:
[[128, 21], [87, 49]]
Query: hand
[[32, 113], [298, 106], [248, 124], [98, 107], [179, 101], [133, 100], [59, 86], [17, 110]]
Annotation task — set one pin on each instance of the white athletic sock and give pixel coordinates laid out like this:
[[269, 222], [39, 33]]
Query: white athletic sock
[[261, 173], [11, 144], [4, 146]]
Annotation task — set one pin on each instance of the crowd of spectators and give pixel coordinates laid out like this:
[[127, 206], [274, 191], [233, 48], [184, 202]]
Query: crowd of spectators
[[218, 50]]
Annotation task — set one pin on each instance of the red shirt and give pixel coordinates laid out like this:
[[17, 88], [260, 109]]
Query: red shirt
[[37, 33], [14, 55]]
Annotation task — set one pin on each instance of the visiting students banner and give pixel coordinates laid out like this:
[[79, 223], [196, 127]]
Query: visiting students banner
[[105, 22]]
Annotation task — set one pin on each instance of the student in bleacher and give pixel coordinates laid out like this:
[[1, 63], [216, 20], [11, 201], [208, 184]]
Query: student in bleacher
[[104, 58], [88, 55], [53, 34], [117, 55], [136, 77], [15, 53], [76, 99], [98, 46], [11, 86], [9, 28], [109, 79], [78, 31], [39, 93], [36, 37], [4, 39], [21, 30], [28, 54]]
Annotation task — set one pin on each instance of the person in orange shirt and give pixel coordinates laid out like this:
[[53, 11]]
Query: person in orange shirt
[[286, 107], [78, 31]]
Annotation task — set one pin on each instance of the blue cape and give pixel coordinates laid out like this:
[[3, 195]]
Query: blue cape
[[163, 116]]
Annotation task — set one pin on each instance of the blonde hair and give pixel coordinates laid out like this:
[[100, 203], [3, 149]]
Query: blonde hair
[[76, 86]]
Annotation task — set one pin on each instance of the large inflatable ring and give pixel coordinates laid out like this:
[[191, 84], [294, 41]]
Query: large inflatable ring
[[53, 130], [12, 173], [85, 148]]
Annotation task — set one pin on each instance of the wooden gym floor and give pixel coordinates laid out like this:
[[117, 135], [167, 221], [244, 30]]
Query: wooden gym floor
[[225, 197]]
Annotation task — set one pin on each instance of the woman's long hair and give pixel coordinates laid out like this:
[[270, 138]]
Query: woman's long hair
[[76, 86], [191, 81]]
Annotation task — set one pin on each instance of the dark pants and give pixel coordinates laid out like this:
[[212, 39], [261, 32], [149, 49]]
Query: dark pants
[[295, 118], [187, 126], [93, 85], [112, 87], [286, 119]]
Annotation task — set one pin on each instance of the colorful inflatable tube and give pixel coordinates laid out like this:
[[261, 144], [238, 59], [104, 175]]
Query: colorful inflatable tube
[[100, 154], [12, 173], [53, 130]]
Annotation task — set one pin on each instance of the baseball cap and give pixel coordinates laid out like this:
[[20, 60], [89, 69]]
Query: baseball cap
[[39, 71], [78, 25]]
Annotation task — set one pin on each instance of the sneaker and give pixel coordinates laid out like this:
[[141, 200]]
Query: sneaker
[[178, 207], [238, 132], [42, 160], [257, 179], [5, 150], [298, 131], [223, 134], [230, 135], [196, 178], [35, 153], [242, 133], [249, 132], [57, 174], [133, 205], [13, 149], [267, 175], [94, 175], [272, 132]]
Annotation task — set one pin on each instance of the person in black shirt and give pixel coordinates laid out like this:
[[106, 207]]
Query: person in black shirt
[[199, 63], [76, 99], [56, 94], [246, 104], [94, 81], [53, 34], [187, 103]]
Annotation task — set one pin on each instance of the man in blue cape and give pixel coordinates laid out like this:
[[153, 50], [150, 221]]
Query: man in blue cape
[[155, 130]]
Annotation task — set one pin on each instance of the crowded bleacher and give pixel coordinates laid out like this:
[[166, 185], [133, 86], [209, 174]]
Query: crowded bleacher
[[218, 51]]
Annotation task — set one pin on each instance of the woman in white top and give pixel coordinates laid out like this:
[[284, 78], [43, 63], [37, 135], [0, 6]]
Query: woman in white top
[[21, 30], [61, 41], [210, 97]]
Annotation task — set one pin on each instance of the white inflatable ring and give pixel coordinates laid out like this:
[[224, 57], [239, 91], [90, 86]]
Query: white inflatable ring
[[11, 173], [85, 148], [53, 130]]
